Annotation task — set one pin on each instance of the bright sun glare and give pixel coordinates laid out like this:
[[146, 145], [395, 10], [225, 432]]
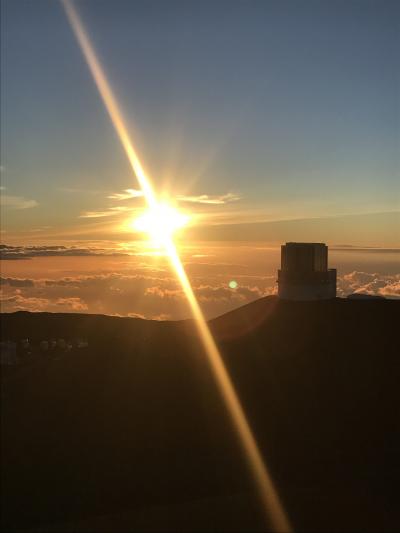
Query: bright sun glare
[[160, 222]]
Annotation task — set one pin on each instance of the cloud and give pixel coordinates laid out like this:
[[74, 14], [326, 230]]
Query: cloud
[[369, 249], [391, 290], [164, 293], [18, 302], [109, 212], [16, 282], [156, 294], [8, 252], [369, 283], [207, 199], [117, 211], [145, 286], [153, 296], [96, 214], [126, 195], [17, 202], [36, 230], [73, 304], [207, 293]]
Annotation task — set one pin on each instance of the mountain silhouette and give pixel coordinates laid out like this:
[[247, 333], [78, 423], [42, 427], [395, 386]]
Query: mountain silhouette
[[130, 433]]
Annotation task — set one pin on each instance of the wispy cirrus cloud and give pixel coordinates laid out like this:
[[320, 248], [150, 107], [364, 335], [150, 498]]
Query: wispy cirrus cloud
[[210, 199], [96, 214], [109, 212], [16, 202], [126, 195], [126, 206], [129, 194]]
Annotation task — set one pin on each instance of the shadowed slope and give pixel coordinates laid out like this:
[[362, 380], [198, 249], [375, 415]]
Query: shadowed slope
[[134, 422]]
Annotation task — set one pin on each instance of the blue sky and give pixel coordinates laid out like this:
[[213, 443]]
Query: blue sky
[[291, 106]]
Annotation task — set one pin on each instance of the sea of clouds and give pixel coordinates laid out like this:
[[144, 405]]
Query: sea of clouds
[[149, 289], [154, 297]]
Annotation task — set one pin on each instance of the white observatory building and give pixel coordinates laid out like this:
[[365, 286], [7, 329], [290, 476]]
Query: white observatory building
[[304, 273]]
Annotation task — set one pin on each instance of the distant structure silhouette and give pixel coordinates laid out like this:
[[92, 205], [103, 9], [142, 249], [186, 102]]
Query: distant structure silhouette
[[304, 273]]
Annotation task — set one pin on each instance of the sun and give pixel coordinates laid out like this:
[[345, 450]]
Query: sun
[[160, 222]]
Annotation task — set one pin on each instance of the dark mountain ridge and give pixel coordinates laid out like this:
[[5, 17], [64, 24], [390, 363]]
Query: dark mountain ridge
[[135, 421]]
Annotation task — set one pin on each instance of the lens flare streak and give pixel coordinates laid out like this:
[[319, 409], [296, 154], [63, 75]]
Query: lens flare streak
[[270, 499], [109, 101], [271, 503]]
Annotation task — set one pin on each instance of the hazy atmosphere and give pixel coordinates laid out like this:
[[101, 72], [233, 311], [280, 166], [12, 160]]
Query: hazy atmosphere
[[261, 121]]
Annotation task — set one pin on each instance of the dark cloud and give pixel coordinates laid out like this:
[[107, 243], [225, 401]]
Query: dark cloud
[[8, 252], [16, 282]]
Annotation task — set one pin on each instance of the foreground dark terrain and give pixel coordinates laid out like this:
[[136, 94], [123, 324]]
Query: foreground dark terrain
[[130, 433]]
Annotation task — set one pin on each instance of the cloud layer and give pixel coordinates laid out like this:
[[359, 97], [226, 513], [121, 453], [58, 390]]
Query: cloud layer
[[157, 295], [129, 295], [133, 279], [8, 252], [367, 283]]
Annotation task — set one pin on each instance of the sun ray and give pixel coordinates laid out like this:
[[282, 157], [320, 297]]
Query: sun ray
[[270, 500]]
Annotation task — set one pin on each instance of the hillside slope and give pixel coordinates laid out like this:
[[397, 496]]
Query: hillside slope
[[133, 425]]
